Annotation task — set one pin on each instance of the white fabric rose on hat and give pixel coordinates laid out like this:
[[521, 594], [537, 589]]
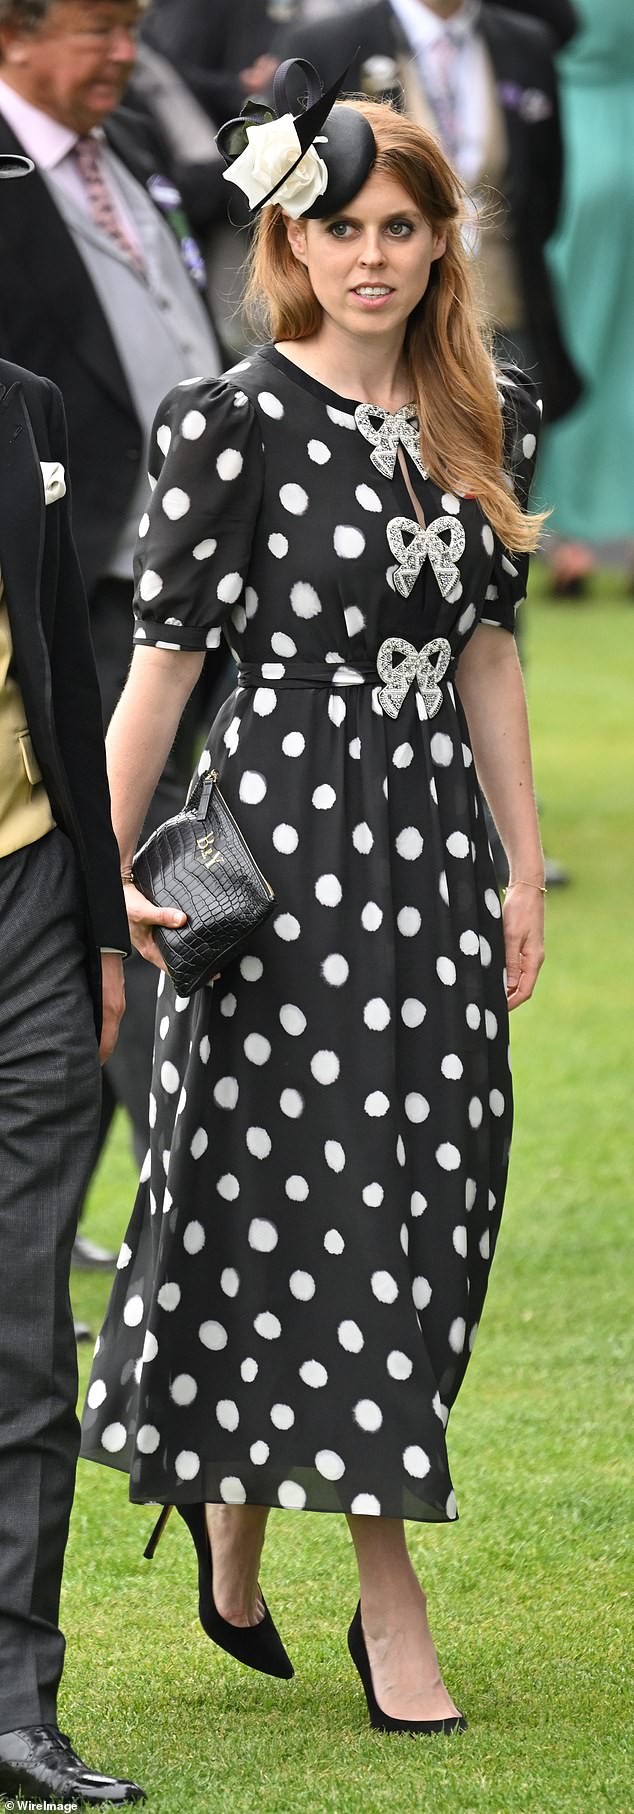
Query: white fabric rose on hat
[[272, 150], [53, 480]]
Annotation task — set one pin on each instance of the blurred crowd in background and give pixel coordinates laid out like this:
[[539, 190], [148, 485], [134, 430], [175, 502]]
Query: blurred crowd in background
[[583, 51], [121, 272]]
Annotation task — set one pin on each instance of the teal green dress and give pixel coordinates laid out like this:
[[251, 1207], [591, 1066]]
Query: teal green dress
[[586, 465]]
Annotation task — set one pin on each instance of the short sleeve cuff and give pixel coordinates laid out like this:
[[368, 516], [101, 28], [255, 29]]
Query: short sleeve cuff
[[190, 639]]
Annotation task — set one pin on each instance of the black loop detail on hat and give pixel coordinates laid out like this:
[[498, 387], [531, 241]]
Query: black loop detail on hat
[[308, 121], [283, 100]]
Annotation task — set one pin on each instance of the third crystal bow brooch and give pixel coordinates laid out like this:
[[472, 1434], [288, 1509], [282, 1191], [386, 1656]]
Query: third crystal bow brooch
[[425, 543], [386, 432], [418, 665]]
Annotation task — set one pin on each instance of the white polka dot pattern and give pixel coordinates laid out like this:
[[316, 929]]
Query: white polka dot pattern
[[330, 1122]]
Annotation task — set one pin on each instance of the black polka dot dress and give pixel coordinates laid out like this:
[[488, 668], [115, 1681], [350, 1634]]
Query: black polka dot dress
[[299, 1289]]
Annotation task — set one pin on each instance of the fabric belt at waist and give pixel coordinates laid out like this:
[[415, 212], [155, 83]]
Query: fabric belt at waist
[[307, 674], [315, 674]]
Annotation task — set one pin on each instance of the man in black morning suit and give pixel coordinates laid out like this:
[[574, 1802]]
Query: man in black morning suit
[[114, 322], [520, 51], [63, 933]]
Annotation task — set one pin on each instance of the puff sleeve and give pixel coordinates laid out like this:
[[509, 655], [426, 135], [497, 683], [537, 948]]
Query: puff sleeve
[[194, 544], [522, 420]]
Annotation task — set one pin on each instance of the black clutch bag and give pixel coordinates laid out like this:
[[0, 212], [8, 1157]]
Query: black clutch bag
[[200, 862]]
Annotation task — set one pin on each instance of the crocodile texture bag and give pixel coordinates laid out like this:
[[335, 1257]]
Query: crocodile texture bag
[[199, 861]]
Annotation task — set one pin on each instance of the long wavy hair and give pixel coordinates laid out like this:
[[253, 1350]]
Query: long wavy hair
[[447, 348]]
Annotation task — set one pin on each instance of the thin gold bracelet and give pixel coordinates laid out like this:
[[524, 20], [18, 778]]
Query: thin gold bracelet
[[127, 876], [539, 885]]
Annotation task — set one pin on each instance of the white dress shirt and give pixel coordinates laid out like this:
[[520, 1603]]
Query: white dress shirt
[[422, 29]]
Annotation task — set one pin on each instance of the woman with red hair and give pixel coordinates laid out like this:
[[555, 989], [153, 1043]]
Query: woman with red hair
[[300, 1286]]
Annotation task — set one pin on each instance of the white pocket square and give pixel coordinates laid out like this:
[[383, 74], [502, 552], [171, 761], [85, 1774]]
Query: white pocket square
[[54, 480]]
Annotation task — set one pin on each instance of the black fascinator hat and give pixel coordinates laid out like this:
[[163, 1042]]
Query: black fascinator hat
[[15, 166], [303, 152]]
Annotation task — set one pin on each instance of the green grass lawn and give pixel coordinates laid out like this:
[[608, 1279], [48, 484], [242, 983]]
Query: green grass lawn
[[527, 1592]]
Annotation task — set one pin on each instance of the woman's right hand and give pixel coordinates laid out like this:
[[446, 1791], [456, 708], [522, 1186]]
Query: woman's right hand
[[143, 916]]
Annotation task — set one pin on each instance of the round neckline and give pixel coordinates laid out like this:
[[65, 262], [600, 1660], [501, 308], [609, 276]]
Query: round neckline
[[322, 391]]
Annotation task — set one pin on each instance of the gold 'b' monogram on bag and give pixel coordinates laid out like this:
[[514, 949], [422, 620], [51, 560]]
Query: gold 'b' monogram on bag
[[206, 848]]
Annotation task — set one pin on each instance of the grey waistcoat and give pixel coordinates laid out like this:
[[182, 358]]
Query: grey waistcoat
[[160, 328]]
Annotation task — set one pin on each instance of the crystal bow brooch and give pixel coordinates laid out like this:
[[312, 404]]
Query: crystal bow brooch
[[418, 665], [394, 429], [425, 542]]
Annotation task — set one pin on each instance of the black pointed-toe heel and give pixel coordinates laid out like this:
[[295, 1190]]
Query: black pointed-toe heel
[[258, 1646], [380, 1721]]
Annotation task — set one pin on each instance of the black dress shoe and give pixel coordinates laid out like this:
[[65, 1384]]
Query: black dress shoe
[[82, 1332], [39, 1762], [90, 1258]]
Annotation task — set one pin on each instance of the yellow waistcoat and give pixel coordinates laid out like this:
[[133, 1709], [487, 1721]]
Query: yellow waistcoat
[[25, 811]]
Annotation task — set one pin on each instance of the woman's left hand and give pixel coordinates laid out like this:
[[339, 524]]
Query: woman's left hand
[[523, 920]]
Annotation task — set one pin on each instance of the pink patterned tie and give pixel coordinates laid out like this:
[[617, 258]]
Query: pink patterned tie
[[442, 60], [87, 153]]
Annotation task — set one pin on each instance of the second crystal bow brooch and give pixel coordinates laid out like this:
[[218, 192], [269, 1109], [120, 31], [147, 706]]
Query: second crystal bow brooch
[[425, 543], [426, 666]]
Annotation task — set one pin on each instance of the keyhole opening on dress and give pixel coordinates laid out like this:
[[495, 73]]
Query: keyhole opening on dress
[[416, 504]]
